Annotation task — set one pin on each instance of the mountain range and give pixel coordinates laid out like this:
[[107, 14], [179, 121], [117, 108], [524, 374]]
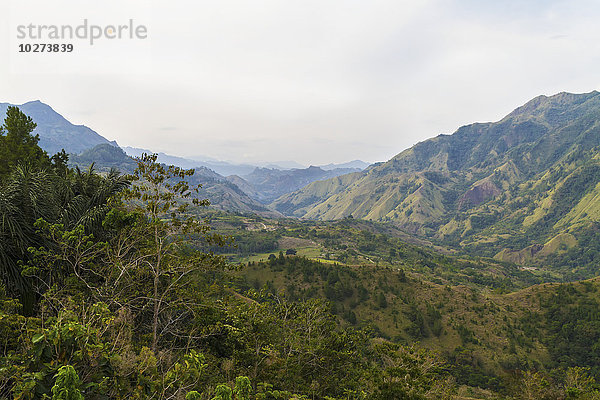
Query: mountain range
[[246, 193], [227, 168], [222, 194], [221, 167], [522, 189], [268, 184], [496, 214]]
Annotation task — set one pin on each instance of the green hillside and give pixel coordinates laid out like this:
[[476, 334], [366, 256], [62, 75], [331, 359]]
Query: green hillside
[[521, 189], [115, 287], [487, 318], [485, 335]]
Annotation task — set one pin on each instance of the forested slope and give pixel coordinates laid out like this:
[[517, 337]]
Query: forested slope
[[521, 189]]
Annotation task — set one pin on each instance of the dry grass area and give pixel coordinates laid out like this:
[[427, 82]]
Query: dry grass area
[[287, 242]]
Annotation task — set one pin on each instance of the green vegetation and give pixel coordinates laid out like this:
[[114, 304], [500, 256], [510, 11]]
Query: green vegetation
[[122, 304], [484, 335], [118, 287], [67, 384], [505, 189], [17, 143]]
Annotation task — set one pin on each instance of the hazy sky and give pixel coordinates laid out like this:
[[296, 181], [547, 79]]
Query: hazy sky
[[312, 81]]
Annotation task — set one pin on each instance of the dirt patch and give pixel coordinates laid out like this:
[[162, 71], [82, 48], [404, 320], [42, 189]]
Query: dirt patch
[[477, 195], [287, 242]]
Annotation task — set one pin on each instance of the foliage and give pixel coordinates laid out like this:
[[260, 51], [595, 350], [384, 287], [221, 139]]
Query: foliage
[[159, 195], [573, 323], [242, 388], [35, 187], [67, 384], [222, 392], [410, 373], [17, 144], [130, 302]]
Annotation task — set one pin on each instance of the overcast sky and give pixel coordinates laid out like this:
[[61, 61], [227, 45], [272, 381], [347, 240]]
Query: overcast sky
[[314, 81]]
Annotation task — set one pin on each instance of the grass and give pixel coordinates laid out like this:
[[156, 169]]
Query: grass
[[312, 252], [494, 319]]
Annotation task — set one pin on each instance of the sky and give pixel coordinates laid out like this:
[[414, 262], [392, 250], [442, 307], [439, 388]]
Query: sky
[[314, 81]]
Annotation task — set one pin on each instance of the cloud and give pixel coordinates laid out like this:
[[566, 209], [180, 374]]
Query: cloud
[[319, 81]]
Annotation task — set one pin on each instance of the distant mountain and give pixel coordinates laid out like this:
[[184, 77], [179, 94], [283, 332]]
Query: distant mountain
[[55, 131], [222, 194], [245, 186], [221, 167], [227, 196], [226, 168], [356, 164], [525, 188], [282, 165], [267, 184], [104, 157], [86, 147]]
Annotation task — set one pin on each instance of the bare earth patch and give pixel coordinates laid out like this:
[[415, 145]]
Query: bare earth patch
[[287, 242]]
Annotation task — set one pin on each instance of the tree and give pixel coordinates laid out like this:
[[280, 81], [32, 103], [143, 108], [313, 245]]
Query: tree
[[533, 385], [409, 373], [33, 186], [222, 392], [28, 195], [17, 144], [243, 388], [24, 197], [296, 345], [381, 300], [140, 261], [193, 395], [163, 235], [67, 385]]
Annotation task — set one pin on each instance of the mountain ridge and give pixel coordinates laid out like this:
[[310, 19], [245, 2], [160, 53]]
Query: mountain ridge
[[222, 194], [475, 185], [267, 184], [86, 147], [56, 132]]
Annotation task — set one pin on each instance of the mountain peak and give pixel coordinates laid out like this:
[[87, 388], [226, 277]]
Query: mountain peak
[[540, 105], [40, 106], [55, 131], [36, 102], [440, 176]]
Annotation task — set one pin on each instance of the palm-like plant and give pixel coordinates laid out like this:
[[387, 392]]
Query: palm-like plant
[[81, 198], [88, 197], [25, 196], [34, 186]]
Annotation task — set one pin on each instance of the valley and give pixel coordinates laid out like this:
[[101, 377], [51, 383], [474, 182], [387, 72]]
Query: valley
[[480, 248]]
